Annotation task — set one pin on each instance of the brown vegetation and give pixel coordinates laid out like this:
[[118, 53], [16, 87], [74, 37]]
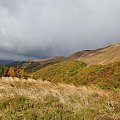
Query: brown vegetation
[[78, 73], [105, 55], [31, 99]]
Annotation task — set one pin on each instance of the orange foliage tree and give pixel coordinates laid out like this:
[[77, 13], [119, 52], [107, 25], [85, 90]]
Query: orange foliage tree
[[11, 72]]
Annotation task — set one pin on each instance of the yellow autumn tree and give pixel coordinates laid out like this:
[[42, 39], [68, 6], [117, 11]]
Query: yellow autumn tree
[[11, 72]]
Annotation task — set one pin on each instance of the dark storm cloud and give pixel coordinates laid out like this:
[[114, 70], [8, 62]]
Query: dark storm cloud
[[11, 56], [57, 27]]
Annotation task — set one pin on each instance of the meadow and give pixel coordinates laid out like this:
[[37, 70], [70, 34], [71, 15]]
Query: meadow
[[22, 99]]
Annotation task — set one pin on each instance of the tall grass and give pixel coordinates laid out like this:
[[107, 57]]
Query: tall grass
[[42, 100]]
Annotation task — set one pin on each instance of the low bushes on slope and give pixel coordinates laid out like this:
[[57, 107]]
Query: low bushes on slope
[[107, 76], [78, 73], [59, 72]]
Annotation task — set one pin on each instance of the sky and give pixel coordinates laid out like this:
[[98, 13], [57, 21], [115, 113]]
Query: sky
[[46, 28]]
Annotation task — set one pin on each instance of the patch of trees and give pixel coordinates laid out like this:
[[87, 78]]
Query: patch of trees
[[12, 72], [1, 70]]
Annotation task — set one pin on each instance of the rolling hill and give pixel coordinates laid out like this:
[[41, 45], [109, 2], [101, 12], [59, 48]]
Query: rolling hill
[[100, 67], [79, 73], [104, 55], [36, 64]]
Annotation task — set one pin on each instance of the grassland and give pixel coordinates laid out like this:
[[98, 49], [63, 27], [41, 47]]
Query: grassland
[[104, 55], [22, 99]]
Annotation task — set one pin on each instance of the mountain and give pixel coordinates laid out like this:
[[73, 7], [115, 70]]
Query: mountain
[[104, 55], [100, 67], [5, 62], [35, 64]]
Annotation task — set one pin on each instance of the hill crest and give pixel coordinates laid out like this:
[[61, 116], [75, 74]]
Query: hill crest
[[104, 55]]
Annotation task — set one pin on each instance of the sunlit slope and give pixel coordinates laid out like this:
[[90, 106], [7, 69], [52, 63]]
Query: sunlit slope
[[99, 56]]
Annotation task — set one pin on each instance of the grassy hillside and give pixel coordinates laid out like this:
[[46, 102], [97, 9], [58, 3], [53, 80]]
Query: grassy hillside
[[59, 72], [104, 55], [37, 100], [78, 73]]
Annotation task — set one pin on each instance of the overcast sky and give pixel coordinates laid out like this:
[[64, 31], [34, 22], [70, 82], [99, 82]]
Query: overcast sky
[[41, 28]]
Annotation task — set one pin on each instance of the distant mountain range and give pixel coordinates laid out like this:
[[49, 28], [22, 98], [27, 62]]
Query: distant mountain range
[[36, 64], [5, 62], [104, 55]]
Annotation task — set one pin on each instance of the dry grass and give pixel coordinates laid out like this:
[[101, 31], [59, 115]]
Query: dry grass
[[106, 55], [88, 102]]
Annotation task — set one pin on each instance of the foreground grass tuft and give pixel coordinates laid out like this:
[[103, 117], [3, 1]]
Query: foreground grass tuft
[[41, 100]]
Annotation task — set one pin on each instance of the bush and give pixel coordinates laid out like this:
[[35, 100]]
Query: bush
[[78, 73]]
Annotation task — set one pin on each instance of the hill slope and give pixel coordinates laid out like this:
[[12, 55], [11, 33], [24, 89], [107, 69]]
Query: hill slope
[[105, 55], [36, 64], [78, 73]]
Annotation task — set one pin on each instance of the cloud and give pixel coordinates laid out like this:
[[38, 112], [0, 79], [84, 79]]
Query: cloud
[[9, 56], [41, 28]]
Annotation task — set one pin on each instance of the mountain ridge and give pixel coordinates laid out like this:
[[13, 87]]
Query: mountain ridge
[[103, 56], [5, 62]]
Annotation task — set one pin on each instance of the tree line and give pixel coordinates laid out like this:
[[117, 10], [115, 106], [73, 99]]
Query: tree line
[[12, 72]]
